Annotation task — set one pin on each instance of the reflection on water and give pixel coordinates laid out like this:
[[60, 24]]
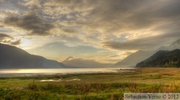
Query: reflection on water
[[59, 80], [29, 72], [61, 70]]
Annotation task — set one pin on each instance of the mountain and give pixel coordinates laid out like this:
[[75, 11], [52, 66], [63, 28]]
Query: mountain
[[174, 45], [140, 55], [134, 58], [162, 59], [13, 57], [82, 63]]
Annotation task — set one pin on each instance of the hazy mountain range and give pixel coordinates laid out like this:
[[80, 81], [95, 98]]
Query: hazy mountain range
[[141, 55], [79, 62], [13, 57]]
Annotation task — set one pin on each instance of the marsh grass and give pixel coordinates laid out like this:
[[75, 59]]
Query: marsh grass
[[106, 86]]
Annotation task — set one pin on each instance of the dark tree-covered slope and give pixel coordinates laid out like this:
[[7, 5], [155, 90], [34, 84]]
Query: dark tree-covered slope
[[162, 59]]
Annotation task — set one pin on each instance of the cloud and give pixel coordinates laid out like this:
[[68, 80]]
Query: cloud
[[147, 43], [137, 19], [16, 42], [4, 38], [147, 24], [114, 17], [30, 22]]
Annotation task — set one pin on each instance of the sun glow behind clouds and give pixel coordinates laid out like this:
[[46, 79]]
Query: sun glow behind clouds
[[25, 44]]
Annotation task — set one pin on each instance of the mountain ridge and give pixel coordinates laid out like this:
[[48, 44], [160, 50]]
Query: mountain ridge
[[172, 46], [134, 58], [13, 57]]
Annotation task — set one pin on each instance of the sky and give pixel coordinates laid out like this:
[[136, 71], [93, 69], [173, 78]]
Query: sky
[[106, 31]]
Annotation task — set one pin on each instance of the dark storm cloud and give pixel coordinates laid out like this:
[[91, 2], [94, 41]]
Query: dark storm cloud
[[30, 22]]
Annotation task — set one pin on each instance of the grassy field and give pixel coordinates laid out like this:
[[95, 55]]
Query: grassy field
[[104, 86]]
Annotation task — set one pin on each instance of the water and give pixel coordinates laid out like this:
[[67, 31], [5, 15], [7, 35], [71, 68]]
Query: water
[[30, 72]]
